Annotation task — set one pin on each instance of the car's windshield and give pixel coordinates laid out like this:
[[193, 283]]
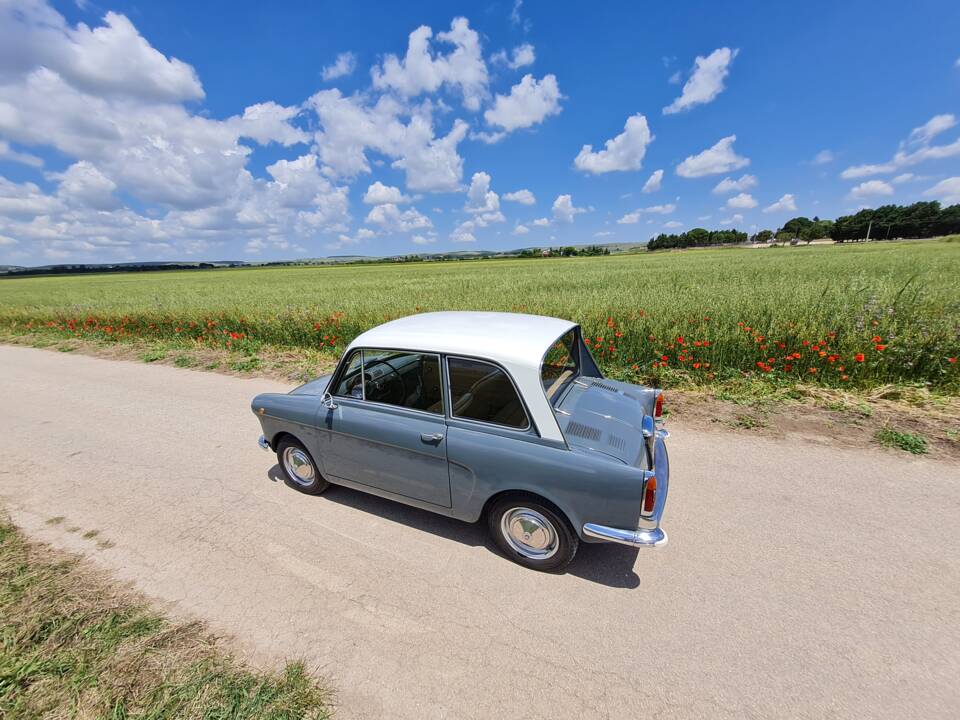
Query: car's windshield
[[561, 364]]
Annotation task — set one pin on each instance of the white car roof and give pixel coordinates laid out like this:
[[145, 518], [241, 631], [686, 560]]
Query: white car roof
[[517, 342]]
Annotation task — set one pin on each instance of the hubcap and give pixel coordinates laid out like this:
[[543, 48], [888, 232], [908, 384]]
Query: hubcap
[[298, 466], [529, 533]]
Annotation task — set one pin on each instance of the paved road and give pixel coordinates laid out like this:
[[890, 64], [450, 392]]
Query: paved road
[[800, 580]]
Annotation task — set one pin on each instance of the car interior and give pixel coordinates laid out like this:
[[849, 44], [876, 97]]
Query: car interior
[[480, 391]]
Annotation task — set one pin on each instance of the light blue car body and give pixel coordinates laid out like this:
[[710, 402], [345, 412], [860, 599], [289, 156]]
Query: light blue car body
[[596, 476]]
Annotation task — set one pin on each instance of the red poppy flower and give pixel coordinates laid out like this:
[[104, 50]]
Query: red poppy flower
[[879, 348], [812, 371], [876, 339], [859, 357], [788, 367], [952, 360]]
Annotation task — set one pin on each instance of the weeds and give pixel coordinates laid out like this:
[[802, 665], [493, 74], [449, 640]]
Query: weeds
[[909, 442]]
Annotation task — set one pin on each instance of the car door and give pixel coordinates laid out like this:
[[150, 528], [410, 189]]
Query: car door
[[388, 430]]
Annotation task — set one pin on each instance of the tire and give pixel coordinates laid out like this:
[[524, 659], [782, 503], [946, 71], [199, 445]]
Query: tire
[[532, 532], [299, 469]]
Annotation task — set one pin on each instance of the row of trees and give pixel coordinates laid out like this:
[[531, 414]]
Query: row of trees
[[697, 237], [569, 251], [920, 220]]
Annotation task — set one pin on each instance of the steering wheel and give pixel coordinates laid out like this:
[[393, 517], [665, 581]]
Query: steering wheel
[[381, 383]]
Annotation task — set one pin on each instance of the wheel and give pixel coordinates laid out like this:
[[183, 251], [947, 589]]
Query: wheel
[[299, 470], [532, 532]]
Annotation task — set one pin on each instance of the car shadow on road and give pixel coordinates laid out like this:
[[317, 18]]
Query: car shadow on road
[[602, 563]]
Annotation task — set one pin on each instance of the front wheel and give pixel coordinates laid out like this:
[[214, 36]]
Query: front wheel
[[532, 533], [299, 470]]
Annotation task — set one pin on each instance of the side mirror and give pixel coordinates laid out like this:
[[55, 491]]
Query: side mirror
[[327, 400]]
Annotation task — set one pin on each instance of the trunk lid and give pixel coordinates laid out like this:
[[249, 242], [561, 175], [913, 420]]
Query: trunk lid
[[606, 416]]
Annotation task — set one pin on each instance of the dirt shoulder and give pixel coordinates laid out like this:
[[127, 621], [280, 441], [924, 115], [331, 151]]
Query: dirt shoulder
[[889, 416]]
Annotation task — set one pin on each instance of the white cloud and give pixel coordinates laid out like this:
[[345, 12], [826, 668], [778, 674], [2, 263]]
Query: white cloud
[[602, 233], [83, 184], [110, 60], [541, 222], [948, 191], [564, 210], [423, 240], [521, 56], [871, 188], [912, 151], [349, 127], [632, 218], [721, 158], [480, 198], [728, 185], [268, 122], [734, 219], [391, 218], [904, 178], [743, 201], [521, 230], [422, 71], [706, 82], [653, 182], [524, 197], [786, 202], [344, 65], [8, 153], [529, 103], [380, 194], [672, 224], [624, 152], [929, 130], [661, 209], [822, 158]]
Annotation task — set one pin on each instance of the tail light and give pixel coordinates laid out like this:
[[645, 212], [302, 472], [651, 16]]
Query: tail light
[[658, 408], [650, 495]]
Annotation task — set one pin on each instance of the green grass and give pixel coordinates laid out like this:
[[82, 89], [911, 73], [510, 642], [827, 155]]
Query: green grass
[[716, 316], [73, 646], [909, 442]]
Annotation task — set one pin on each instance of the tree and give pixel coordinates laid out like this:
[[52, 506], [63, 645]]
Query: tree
[[764, 236]]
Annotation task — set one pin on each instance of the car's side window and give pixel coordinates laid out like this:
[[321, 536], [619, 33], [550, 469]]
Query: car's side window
[[482, 391], [350, 382], [402, 378]]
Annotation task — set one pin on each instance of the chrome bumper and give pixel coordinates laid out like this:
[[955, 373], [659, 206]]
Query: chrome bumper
[[634, 538], [262, 442]]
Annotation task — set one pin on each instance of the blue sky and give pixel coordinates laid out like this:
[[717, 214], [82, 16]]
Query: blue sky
[[164, 131]]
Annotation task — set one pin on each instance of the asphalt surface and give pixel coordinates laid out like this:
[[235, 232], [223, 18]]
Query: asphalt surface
[[800, 581]]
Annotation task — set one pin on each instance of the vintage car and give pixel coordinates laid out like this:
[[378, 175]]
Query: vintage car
[[479, 415]]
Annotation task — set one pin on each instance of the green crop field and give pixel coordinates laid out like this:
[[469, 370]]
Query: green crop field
[[847, 315]]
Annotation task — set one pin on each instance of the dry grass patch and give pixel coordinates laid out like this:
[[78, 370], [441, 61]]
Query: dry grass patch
[[74, 645]]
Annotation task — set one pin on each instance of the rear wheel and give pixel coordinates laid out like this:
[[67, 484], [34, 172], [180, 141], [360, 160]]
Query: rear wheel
[[299, 470], [532, 532]]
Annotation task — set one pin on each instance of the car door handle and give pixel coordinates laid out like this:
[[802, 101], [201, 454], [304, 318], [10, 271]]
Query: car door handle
[[431, 437]]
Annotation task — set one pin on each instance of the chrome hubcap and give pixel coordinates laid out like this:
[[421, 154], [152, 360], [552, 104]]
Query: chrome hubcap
[[298, 466], [529, 533]]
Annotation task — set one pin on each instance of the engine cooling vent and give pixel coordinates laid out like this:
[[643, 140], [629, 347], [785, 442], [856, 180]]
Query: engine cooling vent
[[604, 386], [588, 432], [616, 442]]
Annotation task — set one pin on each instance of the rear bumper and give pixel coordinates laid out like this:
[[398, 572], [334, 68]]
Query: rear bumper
[[634, 538], [650, 534]]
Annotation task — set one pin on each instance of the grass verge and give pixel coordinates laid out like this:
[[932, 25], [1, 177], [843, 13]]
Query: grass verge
[[909, 442], [73, 645]]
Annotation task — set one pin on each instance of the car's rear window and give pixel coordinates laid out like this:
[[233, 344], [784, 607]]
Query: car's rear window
[[561, 364]]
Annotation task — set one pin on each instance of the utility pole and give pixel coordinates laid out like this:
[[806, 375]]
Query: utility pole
[[868, 230]]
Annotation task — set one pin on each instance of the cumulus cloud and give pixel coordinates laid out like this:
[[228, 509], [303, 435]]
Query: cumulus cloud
[[915, 149], [734, 219], [390, 218], [632, 218], [422, 70], [344, 65], [423, 240], [705, 82], [520, 229], [743, 201], [653, 182], [729, 185], [623, 152], [529, 103], [564, 210], [721, 158], [822, 158], [871, 188], [672, 224], [8, 153], [524, 197], [380, 194], [787, 202], [947, 191], [519, 57]]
